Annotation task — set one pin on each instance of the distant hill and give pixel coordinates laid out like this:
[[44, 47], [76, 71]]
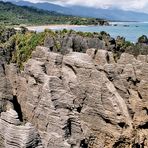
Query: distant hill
[[109, 14], [11, 14], [44, 6]]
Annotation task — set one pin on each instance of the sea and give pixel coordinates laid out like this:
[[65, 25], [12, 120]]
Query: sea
[[130, 30]]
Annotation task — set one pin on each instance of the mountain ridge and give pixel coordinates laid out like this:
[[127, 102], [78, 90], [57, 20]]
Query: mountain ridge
[[109, 14], [11, 14]]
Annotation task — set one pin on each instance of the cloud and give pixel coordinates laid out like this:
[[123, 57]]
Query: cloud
[[136, 5], [123, 4]]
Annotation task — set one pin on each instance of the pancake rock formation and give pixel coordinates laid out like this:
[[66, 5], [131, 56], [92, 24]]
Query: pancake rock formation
[[76, 100]]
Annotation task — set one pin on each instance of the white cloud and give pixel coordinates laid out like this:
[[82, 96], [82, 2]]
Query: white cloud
[[138, 5], [123, 4]]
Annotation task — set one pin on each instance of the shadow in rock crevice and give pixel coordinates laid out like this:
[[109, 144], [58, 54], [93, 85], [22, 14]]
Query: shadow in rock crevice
[[17, 108]]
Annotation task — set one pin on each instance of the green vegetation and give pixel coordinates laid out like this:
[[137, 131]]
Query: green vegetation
[[18, 45], [11, 14], [143, 39], [6, 33], [87, 21], [24, 44]]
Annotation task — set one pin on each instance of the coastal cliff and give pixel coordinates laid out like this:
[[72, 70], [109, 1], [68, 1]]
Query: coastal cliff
[[76, 97]]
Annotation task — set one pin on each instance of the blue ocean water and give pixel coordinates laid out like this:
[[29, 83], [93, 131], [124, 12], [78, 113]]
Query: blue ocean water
[[130, 30]]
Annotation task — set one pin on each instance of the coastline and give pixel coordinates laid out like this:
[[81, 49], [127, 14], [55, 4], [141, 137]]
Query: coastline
[[136, 29], [63, 26]]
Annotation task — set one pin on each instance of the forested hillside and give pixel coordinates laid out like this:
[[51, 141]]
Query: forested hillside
[[11, 14]]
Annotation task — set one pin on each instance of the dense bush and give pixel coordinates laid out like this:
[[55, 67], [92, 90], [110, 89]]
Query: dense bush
[[6, 33], [143, 39]]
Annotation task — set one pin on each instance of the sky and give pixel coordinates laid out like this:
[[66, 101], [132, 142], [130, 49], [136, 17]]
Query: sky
[[134, 5]]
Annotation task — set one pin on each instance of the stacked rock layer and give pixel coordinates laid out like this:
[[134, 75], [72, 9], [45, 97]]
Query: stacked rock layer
[[77, 100]]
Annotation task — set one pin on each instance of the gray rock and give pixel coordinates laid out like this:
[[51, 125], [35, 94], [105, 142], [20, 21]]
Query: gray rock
[[49, 43], [76, 100], [80, 103], [16, 135]]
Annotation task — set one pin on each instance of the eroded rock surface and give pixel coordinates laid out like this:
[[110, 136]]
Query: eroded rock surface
[[79, 100], [14, 134]]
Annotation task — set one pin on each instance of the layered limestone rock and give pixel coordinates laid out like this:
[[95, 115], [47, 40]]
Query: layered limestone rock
[[80, 100], [14, 134]]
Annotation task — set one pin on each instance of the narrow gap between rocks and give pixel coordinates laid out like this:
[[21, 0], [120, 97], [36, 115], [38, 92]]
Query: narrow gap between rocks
[[67, 128], [17, 108], [139, 95], [122, 124], [3, 66], [137, 145], [119, 144], [95, 53], [69, 66], [107, 59], [144, 126], [83, 144]]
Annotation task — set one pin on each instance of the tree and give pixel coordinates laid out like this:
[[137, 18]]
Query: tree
[[143, 39]]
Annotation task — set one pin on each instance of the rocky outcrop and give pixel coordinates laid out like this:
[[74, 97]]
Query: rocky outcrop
[[14, 131], [73, 42], [15, 135], [78, 100]]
